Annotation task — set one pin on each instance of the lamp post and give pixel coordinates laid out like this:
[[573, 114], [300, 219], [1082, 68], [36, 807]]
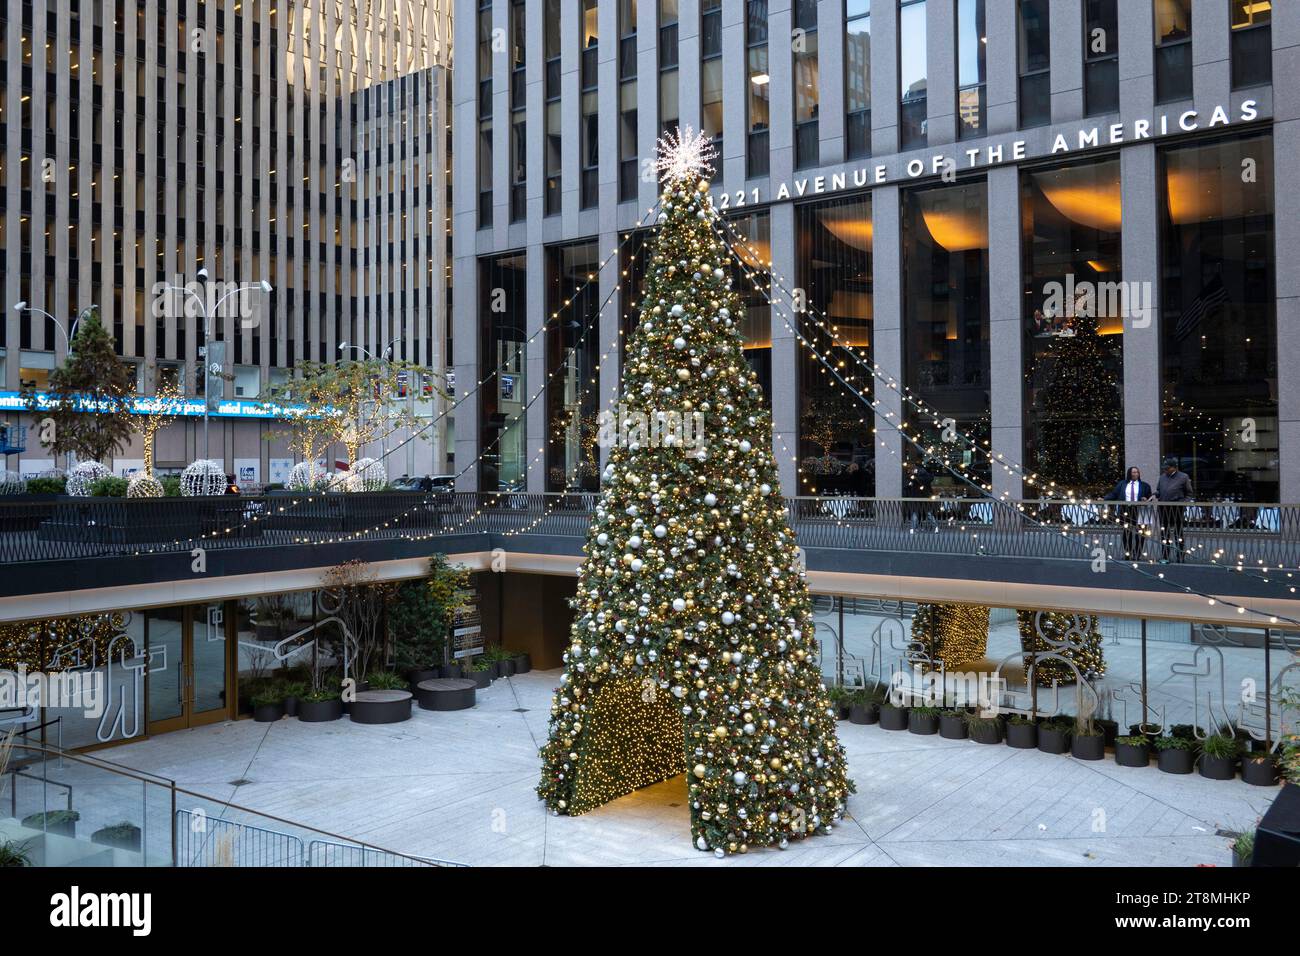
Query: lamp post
[[383, 356], [68, 333], [202, 276]]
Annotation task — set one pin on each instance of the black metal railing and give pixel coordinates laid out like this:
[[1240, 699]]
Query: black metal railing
[[1221, 532]]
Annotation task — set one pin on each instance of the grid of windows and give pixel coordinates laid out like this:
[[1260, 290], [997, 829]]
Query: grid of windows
[[807, 96], [1034, 51], [972, 69], [857, 77], [759, 88], [912, 73], [1101, 57]]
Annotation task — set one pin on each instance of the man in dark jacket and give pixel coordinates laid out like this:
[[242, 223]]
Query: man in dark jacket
[[1173, 486], [1131, 491]]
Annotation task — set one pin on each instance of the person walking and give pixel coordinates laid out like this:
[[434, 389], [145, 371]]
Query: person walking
[[1131, 491], [1172, 488]]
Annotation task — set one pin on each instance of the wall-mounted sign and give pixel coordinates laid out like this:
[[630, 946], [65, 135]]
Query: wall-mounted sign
[[467, 625], [185, 408]]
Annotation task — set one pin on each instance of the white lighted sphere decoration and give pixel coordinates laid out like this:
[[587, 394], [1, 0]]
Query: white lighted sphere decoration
[[12, 483], [144, 486], [365, 474], [203, 477], [305, 476], [83, 475]]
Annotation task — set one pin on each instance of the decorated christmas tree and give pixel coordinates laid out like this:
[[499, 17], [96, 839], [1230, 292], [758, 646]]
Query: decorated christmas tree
[[1055, 640], [692, 649], [951, 634]]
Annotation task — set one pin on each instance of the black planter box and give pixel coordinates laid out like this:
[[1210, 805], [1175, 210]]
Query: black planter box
[[1218, 768], [1088, 747], [952, 726], [523, 663], [893, 718], [1109, 731], [1053, 740], [130, 840], [452, 671], [1175, 761], [1277, 839], [320, 711], [985, 733], [1129, 755], [481, 679], [842, 711], [1022, 736], [863, 714], [1259, 773], [923, 724], [291, 706], [268, 713], [67, 828], [505, 668]]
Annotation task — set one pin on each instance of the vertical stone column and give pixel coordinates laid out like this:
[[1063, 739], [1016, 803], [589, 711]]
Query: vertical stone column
[[1286, 225], [887, 328], [1006, 340], [785, 349], [1140, 198]]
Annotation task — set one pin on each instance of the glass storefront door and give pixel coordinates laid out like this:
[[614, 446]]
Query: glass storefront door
[[188, 669]]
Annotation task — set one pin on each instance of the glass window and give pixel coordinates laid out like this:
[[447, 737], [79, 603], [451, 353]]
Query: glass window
[[1218, 317], [1076, 305], [572, 347], [1173, 50], [972, 72], [836, 447], [946, 331], [760, 87], [1101, 57], [857, 77], [668, 93], [711, 71], [503, 297], [1035, 54], [912, 72], [1252, 43], [807, 97]]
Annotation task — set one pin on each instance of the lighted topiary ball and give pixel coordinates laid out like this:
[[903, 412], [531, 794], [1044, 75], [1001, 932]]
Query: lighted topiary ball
[[144, 486], [306, 476], [365, 474], [203, 477], [83, 475], [12, 483]]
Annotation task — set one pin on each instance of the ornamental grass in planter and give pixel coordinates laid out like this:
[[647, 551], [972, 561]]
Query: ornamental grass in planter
[[862, 708], [1133, 751], [1088, 742], [1260, 769], [984, 730], [952, 725], [320, 706], [123, 836], [1022, 732], [1175, 754], [62, 822], [385, 680], [891, 717], [923, 720], [838, 696], [1243, 848], [1219, 755], [1054, 734], [268, 706], [523, 663], [481, 673], [15, 853], [293, 692]]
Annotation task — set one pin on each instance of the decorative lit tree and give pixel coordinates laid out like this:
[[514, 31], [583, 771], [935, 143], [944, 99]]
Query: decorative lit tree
[[954, 634], [1074, 637], [692, 645], [1081, 421], [156, 414], [89, 399], [305, 403]]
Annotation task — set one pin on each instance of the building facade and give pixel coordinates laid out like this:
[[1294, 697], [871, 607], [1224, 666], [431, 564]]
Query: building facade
[[298, 143], [1049, 228]]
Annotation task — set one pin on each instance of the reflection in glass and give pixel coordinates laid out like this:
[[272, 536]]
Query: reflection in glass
[[1035, 51], [752, 241], [572, 346], [503, 301], [1173, 50], [1101, 57], [164, 633], [946, 327], [1074, 315], [1252, 43], [1218, 317], [912, 72], [857, 77], [836, 452]]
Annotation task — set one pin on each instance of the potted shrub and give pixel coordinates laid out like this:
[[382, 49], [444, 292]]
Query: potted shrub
[[504, 660], [1219, 754], [1260, 769], [62, 822], [123, 836], [523, 663], [984, 730], [923, 720], [1022, 732], [952, 724], [268, 705], [838, 697], [318, 706], [454, 670], [1054, 735], [1175, 754], [891, 717], [1242, 849], [1133, 750], [481, 672], [385, 680], [13, 854], [862, 709], [1088, 742], [293, 692]]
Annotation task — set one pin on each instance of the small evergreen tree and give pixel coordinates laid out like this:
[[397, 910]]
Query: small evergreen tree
[[90, 397]]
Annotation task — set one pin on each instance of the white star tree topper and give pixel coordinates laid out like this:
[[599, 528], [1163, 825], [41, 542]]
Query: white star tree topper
[[685, 155]]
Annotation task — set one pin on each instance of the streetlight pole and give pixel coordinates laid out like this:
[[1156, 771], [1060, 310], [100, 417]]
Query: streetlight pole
[[202, 276]]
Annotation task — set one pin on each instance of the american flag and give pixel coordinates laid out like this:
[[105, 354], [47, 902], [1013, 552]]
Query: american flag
[[1212, 296]]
